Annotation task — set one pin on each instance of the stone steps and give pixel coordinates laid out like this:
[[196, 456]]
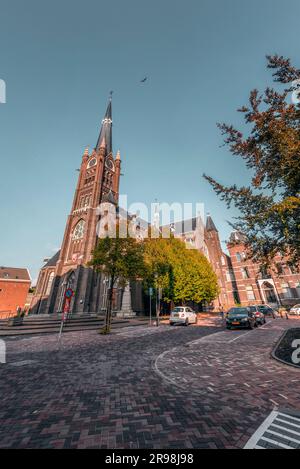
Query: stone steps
[[50, 326]]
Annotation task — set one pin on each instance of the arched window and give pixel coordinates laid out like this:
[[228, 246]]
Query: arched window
[[49, 284], [78, 230]]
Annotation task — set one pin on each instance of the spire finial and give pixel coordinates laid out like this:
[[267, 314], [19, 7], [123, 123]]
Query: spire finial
[[106, 129], [118, 156], [86, 151]]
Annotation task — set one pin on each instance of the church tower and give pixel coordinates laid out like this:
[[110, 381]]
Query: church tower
[[98, 181]]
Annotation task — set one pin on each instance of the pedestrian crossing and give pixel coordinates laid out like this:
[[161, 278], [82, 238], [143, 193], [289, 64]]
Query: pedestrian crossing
[[281, 430]]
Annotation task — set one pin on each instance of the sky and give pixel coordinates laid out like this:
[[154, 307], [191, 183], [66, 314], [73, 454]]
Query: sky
[[60, 59]]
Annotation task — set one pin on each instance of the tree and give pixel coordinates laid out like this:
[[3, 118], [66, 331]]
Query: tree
[[270, 207], [183, 274], [120, 259]]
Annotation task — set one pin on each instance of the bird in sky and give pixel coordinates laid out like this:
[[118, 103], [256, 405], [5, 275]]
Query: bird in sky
[[144, 80]]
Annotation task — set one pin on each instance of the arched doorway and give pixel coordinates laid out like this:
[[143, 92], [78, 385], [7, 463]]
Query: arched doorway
[[269, 293]]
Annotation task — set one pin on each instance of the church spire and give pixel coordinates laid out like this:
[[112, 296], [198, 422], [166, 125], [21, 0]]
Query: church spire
[[106, 129]]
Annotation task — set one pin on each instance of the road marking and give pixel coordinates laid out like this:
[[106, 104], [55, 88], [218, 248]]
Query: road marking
[[284, 437], [290, 417], [266, 431], [275, 443], [249, 332], [23, 363], [287, 423], [285, 429]]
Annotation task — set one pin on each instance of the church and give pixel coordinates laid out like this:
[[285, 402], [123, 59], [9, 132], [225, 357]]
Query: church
[[98, 182]]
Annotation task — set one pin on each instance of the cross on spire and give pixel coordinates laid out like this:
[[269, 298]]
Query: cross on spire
[[105, 134]]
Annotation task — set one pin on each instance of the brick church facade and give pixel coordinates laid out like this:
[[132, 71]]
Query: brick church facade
[[240, 280], [98, 182]]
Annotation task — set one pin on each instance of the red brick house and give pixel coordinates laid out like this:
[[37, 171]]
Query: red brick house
[[14, 287], [278, 285]]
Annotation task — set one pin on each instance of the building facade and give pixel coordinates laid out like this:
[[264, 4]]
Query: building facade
[[240, 280], [14, 287], [279, 285], [98, 182]]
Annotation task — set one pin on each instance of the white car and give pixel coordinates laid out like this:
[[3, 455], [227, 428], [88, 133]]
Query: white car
[[295, 310], [183, 315]]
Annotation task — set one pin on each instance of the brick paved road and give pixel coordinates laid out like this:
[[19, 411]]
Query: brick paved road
[[104, 392], [235, 379]]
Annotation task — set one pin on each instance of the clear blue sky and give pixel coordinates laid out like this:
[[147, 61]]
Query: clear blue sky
[[60, 59]]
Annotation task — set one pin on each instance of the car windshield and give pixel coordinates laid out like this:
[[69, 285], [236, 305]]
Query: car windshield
[[238, 312], [178, 310], [296, 306], [253, 309]]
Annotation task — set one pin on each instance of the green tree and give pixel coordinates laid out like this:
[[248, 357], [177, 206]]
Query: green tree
[[183, 274], [120, 259], [269, 208]]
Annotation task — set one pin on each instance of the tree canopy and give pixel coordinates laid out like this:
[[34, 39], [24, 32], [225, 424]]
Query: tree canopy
[[269, 208], [183, 274]]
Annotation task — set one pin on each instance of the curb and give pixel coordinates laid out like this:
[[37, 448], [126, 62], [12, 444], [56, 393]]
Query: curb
[[273, 352]]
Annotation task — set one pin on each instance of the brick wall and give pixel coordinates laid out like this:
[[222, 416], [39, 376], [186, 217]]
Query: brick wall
[[13, 294]]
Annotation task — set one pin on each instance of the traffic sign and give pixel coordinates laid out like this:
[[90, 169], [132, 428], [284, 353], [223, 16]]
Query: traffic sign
[[69, 293]]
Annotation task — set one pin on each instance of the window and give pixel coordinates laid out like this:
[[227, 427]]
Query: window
[[230, 276], [238, 257], [78, 230], [49, 285], [245, 273], [286, 290], [279, 268], [223, 261], [250, 293]]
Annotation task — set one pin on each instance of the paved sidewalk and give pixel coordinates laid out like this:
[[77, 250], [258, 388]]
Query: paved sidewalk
[[104, 391]]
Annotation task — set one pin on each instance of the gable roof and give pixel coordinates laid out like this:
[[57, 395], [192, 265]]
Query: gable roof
[[14, 273], [53, 261]]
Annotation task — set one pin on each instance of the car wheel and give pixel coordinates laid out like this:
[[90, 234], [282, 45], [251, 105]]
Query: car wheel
[[228, 327], [171, 323], [186, 322]]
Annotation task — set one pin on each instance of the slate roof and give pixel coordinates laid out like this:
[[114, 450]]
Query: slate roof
[[53, 261]]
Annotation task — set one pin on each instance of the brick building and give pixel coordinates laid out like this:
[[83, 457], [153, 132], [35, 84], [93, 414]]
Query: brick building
[[240, 280], [14, 287], [98, 182], [278, 285]]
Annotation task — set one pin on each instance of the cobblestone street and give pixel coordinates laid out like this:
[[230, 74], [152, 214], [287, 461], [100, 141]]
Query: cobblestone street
[[141, 387]]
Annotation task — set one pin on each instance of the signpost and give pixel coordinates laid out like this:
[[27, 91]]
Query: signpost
[[67, 306], [150, 294]]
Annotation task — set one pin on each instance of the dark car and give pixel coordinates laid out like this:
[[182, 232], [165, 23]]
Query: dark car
[[240, 318], [267, 310], [259, 315]]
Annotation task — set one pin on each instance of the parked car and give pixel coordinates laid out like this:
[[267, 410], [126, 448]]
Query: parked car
[[267, 310], [295, 310], [259, 315], [240, 318], [183, 315]]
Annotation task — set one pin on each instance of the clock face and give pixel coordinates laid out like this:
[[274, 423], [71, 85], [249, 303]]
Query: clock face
[[92, 163], [109, 164]]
